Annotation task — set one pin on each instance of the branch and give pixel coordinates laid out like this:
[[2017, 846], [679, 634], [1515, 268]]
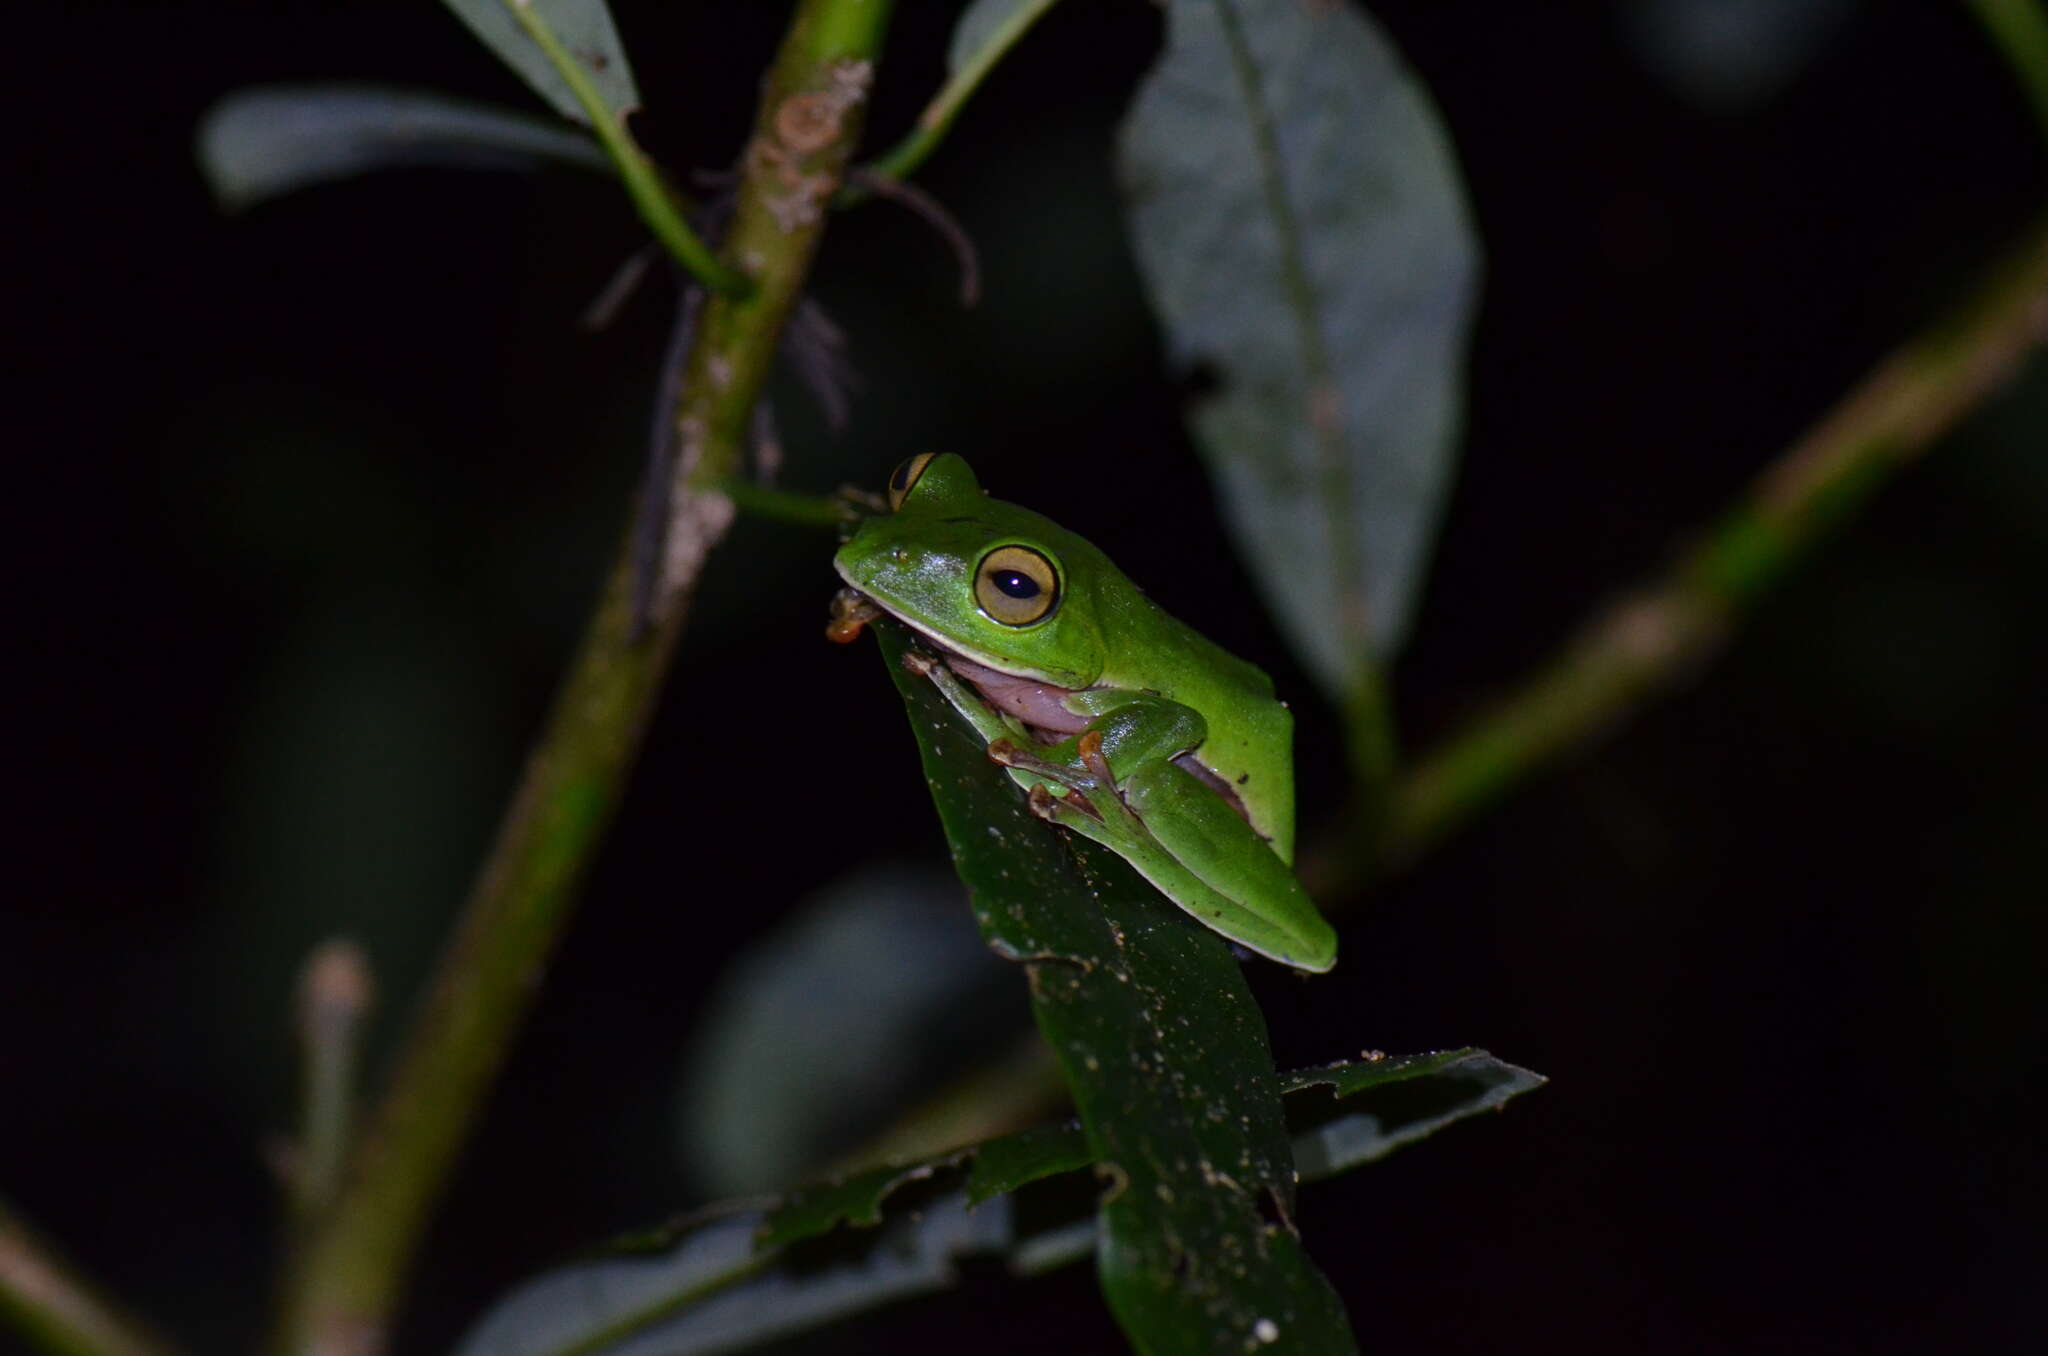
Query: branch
[[340, 1296], [42, 1298], [1652, 640]]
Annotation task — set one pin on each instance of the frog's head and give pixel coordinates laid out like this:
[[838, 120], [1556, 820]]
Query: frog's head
[[988, 580]]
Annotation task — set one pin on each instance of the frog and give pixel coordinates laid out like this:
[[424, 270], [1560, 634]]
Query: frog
[[1118, 721]]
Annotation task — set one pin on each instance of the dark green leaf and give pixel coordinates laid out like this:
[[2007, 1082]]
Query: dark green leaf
[[1379, 1105], [722, 1281], [855, 1200], [1003, 1165], [260, 143], [1166, 1055], [1299, 223], [584, 27]]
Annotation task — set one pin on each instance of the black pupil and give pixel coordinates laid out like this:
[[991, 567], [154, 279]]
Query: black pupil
[[901, 480], [1015, 583]]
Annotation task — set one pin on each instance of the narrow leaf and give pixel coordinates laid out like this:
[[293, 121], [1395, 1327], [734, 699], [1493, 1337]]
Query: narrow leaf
[[1299, 223], [710, 1290], [262, 143], [1166, 1055], [584, 27], [1380, 1105], [734, 1276]]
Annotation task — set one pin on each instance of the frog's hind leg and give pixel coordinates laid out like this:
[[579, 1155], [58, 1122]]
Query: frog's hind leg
[[1198, 852], [1208, 839]]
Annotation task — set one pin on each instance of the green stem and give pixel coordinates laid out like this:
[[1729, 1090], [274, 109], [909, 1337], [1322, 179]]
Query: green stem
[[903, 159], [1651, 641], [45, 1300], [801, 510], [644, 184], [2019, 29], [349, 1272]]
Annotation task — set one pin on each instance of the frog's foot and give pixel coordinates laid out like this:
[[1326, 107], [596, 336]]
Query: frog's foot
[[852, 610], [1083, 798], [1011, 755], [917, 663], [1089, 747], [1061, 808]]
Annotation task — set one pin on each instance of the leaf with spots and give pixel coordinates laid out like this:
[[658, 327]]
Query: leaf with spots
[[1165, 1053]]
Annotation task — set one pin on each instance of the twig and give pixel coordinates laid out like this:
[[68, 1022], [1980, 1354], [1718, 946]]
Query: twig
[[1654, 638], [46, 1301], [928, 208], [335, 997], [340, 1296]]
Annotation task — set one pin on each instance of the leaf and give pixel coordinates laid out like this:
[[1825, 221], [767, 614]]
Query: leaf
[[1299, 223], [987, 24], [1165, 1053], [1380, 1105], [735, 1276], [584, 27], [1004, 1165], [710, 1290], [265, 142], [873, 991]]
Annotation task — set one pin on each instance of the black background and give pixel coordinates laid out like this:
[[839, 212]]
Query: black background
[[307, 506]]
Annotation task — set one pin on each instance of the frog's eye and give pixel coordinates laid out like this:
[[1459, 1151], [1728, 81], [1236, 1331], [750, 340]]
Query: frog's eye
[[904, 476], [1016, 585]]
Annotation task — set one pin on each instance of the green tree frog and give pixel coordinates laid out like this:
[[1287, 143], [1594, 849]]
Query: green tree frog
[[1119, 722]]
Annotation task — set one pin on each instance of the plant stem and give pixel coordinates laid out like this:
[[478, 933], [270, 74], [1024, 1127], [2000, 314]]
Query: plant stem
[[1653, 639], [2019, 29], [903, 159], [784, 506], [340, 1296], [47, 1302], [644, 184]]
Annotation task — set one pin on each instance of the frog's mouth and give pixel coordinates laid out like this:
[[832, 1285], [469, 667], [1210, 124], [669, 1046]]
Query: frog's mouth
[[1039, 704]]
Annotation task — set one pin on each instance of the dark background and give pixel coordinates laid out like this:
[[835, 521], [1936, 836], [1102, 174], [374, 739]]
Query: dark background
[[308, 505]]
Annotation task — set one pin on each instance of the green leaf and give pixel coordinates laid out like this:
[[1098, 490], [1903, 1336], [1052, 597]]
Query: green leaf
[[1299, 223], [584, 27], [735, 1276], [1014, 1161], [1378, 1105], [1165, 1053], [262, 143]]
